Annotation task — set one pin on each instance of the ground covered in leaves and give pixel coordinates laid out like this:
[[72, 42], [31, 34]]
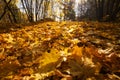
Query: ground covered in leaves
[[61, 51]]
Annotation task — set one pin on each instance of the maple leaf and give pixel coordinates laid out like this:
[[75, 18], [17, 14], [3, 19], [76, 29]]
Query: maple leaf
[[49, 61]]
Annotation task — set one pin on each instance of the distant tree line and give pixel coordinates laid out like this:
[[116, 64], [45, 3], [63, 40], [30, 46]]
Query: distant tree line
[[35, 10], [108, 9], [101, 10]]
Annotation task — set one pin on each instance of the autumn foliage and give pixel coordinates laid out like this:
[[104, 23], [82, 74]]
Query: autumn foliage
[[60, 51]]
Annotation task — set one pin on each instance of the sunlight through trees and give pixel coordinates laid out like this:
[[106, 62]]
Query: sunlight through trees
[[61, 10]]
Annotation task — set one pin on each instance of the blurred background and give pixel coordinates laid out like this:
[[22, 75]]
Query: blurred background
[[20, 11]]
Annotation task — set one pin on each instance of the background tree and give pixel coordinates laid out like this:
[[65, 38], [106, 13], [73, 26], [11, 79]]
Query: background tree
[[68, 9], [8, 9], [38, 4], [82, 10], [101, 10], [109, 8], [28, 6]]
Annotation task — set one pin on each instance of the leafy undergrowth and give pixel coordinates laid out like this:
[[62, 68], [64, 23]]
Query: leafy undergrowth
[[61, 51]]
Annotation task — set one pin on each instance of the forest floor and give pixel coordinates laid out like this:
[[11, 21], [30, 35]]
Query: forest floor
[[60, 51]]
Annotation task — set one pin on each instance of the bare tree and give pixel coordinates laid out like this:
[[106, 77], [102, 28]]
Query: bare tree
[[108, 8], [6, 9], [32, 8], [27, 5], [38, 4]]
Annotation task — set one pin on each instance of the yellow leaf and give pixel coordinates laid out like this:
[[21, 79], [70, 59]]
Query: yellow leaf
[[49, 61]]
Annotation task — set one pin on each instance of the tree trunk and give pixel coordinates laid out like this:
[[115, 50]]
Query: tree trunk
[[9, 9]]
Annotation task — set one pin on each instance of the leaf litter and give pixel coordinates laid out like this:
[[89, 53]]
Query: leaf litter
[[61, 51]]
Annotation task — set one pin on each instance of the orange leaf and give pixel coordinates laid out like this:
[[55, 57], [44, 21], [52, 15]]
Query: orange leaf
[[77, 53]]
